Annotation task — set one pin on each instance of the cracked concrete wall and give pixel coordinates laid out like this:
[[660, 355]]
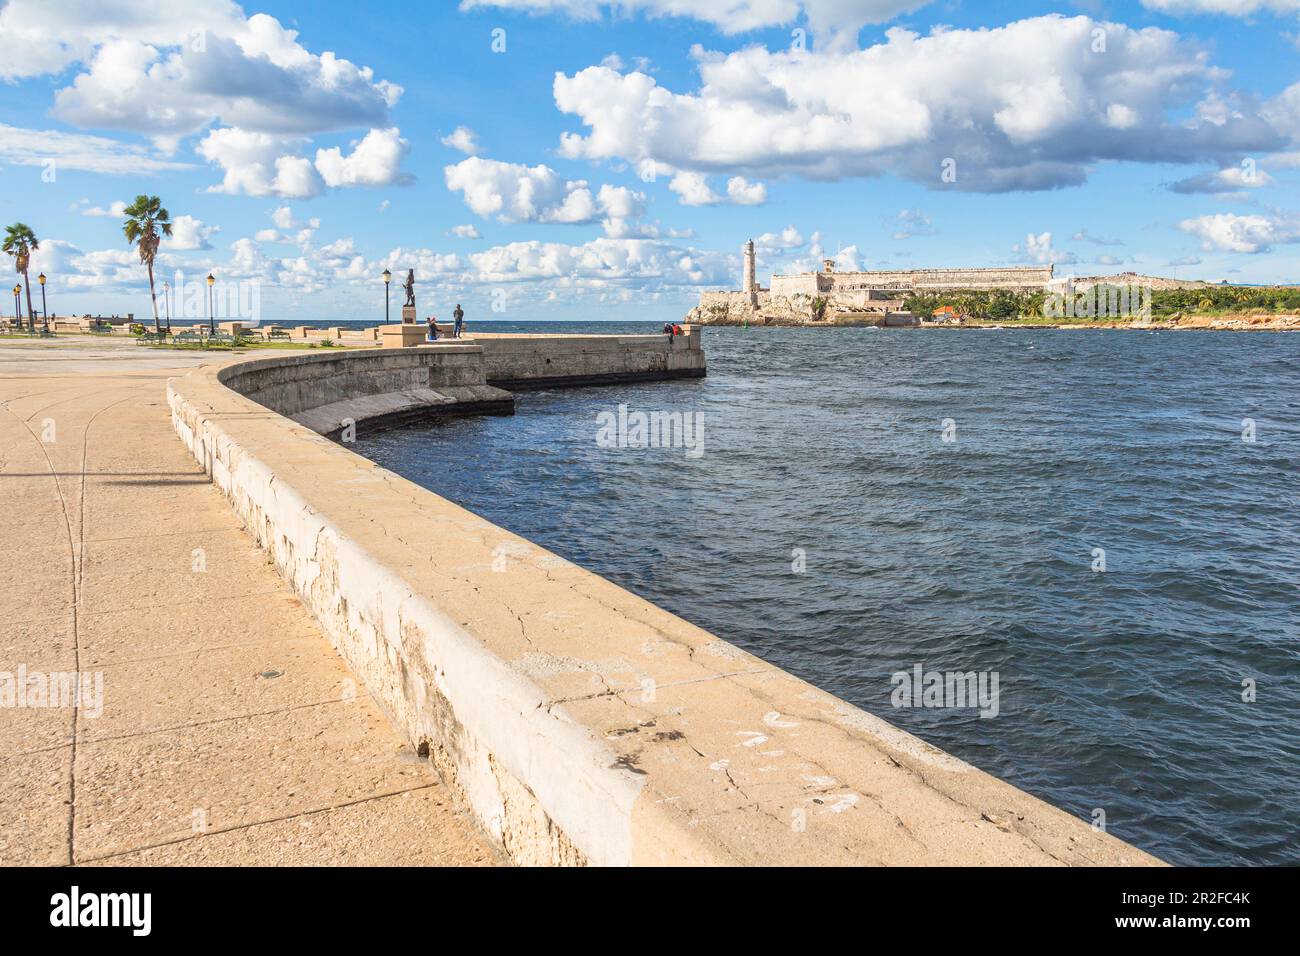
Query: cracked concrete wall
[[578, 722]]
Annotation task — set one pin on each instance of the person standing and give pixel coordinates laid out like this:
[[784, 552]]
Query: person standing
[[432, 334], [459, 316]]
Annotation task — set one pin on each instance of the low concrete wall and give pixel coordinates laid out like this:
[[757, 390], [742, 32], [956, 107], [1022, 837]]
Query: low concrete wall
[[383, 387], [536, 361], [578, 722]]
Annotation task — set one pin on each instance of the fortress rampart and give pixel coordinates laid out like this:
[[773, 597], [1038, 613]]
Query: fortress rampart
[[912, 280]]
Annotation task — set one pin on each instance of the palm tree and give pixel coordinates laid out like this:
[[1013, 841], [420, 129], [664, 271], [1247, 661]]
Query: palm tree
[[20, 242], [146, 218]]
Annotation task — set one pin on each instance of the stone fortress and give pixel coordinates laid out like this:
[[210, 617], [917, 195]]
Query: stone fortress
[[876, 297]]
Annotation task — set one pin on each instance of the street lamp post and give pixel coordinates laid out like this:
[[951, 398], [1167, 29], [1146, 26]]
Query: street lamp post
[[212, 324], [388, 277], [45, 312], [18, 306], [167, 304]]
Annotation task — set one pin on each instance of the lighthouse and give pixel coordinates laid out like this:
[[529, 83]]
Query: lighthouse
[[749, 285]]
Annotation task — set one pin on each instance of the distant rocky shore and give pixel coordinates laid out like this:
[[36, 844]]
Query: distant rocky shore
[[1232, 323]]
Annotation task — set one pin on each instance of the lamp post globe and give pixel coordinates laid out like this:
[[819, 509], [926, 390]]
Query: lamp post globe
[[388, 277], [45, 312]]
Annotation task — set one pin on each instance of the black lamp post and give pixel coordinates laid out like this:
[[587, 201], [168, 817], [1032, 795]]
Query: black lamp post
[[18, 306], [388, 277], [212, 324], [167, 304], [45, 313]]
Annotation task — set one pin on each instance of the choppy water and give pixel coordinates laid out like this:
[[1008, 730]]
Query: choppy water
[[1119, 691]]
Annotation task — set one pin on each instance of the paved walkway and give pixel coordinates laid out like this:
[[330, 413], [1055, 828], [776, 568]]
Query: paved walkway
[[230, 732]]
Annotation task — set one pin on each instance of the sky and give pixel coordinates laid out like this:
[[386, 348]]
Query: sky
[[581, 159]]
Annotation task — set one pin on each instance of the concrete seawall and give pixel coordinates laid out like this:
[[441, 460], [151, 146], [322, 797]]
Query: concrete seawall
[[387, 388], [579, 723], [539, 361]]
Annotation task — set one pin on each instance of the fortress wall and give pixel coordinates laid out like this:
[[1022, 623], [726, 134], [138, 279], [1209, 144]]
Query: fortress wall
[[577, 722], [937, 279], [790, 286], [815, 283]]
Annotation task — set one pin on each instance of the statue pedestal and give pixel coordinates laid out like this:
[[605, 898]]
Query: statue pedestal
[[408, 313], [401, 336]]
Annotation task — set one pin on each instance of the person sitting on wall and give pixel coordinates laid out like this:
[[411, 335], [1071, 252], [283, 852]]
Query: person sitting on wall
[[432, 334], [668, 329], [677, 329], [459, 316]]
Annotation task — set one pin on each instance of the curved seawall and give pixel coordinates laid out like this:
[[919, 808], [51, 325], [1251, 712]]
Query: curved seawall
[[578, 722]]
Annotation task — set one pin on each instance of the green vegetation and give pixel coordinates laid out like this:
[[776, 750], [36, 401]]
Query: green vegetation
[[979, 304], [1227, 298], [206, 344], [1003, 305], [145, 219], [20, 242]]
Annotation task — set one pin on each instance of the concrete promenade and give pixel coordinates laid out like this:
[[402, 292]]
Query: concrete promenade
[[230, 731], [579, 723]]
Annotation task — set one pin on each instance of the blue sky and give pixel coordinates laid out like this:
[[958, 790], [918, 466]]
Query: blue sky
[[612, 158]]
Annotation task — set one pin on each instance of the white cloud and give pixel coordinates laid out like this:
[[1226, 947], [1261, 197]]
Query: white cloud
[[284, 218], [1084, 236], [622, 208], [250, 74], [512, 192], [468, 231], [650, 263], [1249, 234], [912, 222], [375, 161], [171, 70], [694, 190], [770, 243], [744, 193], [1232, 179], [1023, 106], [1038, 248], [95, 154], [463, 139], [836, 20], [46, 38], [1232, 8], [189, 234], [258, 164], [847, 258], [516, 193], [116, 210]]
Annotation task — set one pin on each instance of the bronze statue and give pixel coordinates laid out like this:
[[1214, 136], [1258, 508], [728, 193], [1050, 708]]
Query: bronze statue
[[410, 289]]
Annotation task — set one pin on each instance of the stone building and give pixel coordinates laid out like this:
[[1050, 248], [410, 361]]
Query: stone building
[[857, 298]]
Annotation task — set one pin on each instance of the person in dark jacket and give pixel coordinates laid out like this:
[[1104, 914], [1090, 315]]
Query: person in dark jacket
[[459, 316], [432, 334]]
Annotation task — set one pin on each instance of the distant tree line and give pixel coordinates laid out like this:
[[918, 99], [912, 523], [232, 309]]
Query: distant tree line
[[1002, 304]]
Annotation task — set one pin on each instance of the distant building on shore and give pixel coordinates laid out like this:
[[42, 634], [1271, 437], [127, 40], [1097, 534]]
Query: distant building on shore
[[877, 296]]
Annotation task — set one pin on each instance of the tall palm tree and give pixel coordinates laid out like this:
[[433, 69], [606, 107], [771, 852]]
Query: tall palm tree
[[145, 219], [20, 242]]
